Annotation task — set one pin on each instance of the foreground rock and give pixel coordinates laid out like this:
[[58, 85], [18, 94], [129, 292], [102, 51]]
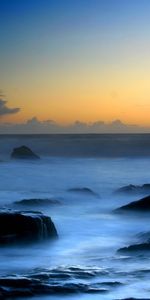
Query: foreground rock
[[142, 205], [37, 202], [24, 152], [134, 189], [25, 227], [84, 191], [60, 281]]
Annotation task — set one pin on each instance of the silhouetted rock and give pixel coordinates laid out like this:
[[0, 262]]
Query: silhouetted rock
[[134, 189], [142, 205], [25, 226], [37, 202], [84, 190], [24, 152]]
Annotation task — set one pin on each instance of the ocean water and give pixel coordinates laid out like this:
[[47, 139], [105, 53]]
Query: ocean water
[[90, 233]]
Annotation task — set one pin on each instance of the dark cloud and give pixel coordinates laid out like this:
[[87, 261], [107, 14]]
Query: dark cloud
[[5, 110]]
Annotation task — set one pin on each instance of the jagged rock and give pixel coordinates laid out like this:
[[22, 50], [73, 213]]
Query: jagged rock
[[134, 189], [23, 152], [25, 226], [142, 205]]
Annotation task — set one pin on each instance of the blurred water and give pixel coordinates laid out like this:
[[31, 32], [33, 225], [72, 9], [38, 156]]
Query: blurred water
[[89, 232]]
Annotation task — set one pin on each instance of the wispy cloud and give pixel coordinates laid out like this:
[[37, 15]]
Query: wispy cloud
[[5, 110]]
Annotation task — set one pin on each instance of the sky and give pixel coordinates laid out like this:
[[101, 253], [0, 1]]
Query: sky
[[75, 62]]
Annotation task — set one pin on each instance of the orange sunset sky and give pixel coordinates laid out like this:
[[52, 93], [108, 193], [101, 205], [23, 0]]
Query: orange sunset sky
[[76, 60]]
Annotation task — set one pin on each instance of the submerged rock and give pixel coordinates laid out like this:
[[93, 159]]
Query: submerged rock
[[20, 227], [23, 152], [83, 190], [134, 189], [142, 205], [37, 202]]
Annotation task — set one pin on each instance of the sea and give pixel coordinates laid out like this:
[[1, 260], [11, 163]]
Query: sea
[[83, 173]]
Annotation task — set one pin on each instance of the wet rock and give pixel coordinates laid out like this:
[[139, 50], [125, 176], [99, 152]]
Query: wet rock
[[24, 227], [48, 282], [134, 189], [37, 202], [83, 190], [23, 152], [141, 243], [142, 205], [135, 248]]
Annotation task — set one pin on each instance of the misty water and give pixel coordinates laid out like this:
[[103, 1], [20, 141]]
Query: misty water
[[90, 233]]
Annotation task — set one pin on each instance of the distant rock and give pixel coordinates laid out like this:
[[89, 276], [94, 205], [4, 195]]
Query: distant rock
[[142, 205], [24, 227], [134, 189], [37, 202], [23, 152], [83, 190]]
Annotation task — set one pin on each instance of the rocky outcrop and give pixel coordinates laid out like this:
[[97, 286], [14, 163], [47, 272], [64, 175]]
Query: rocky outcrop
[[134, 189], [34, 202], [23, 152], [142, 205], [25, 227]]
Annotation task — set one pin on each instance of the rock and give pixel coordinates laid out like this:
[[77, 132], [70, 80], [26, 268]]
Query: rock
[[58, 281], [134, 189], [135, 248], [142, 243], [133, 299], [142, 205], [37, 202], [24, 152], [84, 190], [24, 227]]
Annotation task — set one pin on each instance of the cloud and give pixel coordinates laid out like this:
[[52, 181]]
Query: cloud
[[35, 126], [5, 110]]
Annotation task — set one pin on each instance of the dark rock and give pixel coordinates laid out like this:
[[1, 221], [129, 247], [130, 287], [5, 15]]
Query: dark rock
[[134, 299], [24, 152], [59, 281], [24, 227], [135, 248], [134, 189], [142, 205], [84, 190], [37, 202]]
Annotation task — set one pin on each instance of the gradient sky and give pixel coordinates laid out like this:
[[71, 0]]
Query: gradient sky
[[68, 60]]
